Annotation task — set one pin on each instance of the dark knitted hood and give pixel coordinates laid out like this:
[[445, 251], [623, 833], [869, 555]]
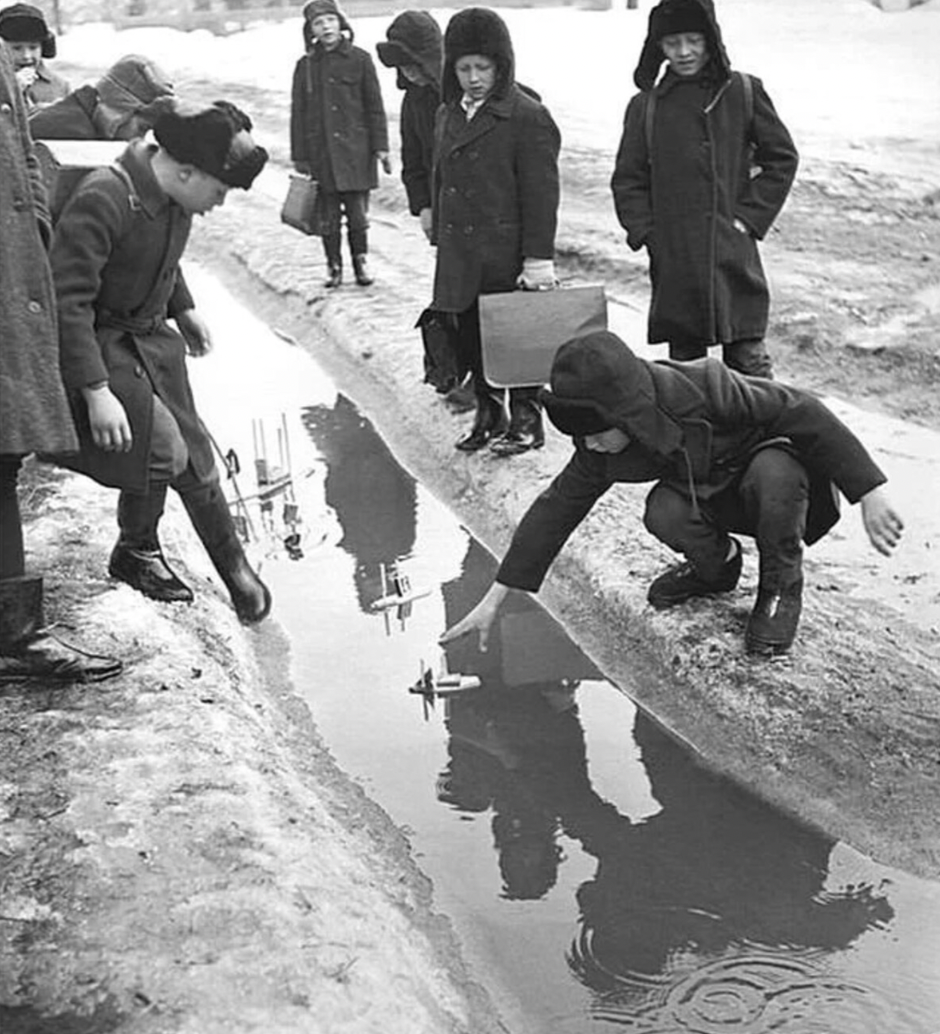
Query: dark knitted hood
[[670, 16], [477, 30], [597, 383], [413, 38]]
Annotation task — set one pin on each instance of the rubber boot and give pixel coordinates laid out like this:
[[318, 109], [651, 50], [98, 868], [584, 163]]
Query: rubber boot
[[489, 420], [526, 430], [334, 260], [29, 655], [137, 559], [212, 519]]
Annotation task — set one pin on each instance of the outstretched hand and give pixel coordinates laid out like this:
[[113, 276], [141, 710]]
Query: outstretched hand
[[195, 333], [882, 523], [480, 619]]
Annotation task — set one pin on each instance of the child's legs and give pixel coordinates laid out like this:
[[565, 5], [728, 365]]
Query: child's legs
[[332, 215], [356, 205], [703, 541], [12, 561]]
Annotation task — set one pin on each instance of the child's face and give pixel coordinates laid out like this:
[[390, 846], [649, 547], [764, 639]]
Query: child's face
[[25, 55], [196, 191], [686, 52], [476, 75], [325, 29], [414, 75]]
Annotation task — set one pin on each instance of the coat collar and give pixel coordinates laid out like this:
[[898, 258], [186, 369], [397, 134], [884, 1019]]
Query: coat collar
[[136, 159]]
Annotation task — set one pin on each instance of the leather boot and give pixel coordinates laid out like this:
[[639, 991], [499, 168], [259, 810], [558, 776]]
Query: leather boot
[[361, 269], [772, 626], [526, 430], [212, 519], [29, 655], [489, 421], [137, 558], [334, 260]]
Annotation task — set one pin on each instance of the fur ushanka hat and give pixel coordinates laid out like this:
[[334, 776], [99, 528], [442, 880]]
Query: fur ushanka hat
[[23, 23], [314, 9], [216, 140], [477, 30], [132, 84], [674, 16]]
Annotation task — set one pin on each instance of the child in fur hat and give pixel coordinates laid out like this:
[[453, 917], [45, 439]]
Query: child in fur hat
[[703, 168], [495, 208], [31, 44], [115, 260], [338, 132]]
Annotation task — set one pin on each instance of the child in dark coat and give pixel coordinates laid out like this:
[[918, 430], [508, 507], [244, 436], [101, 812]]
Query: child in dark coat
[[338, 132], [31, 44]]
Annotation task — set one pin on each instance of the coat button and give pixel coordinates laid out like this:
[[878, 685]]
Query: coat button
[[5, 108], [34, 307], [138, 372]]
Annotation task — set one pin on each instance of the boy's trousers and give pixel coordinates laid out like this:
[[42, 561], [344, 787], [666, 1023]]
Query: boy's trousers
[[769, 502]]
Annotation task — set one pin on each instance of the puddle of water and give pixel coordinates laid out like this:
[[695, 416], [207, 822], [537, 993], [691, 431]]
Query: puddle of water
[[593, 871]]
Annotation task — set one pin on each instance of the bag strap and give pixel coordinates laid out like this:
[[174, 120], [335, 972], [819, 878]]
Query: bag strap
[[651, 109], [133, 198]]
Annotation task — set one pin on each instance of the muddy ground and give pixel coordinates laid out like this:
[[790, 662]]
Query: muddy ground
[[177, 850]]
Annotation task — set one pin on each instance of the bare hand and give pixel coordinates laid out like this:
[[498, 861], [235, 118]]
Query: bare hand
[[26, 76], [110, 428], [882, 523], [385, 161], [742, 227], [480, 619], [427, 222], [195, 333]]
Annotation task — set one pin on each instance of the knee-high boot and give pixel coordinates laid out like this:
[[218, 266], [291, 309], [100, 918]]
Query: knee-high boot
[[137, 558], [359, 250], [526, 430], [213, 522], [489, 420], [332, 248]]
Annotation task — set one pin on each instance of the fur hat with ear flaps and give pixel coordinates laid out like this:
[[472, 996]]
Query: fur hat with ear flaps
[[23, 23], [477, 30], [314, 9], [216, 140], [674, 16]]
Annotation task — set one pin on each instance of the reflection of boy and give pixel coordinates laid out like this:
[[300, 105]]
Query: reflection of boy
[[701, 173], [338, 131], [31, 42], [728, 454], [115, 259]]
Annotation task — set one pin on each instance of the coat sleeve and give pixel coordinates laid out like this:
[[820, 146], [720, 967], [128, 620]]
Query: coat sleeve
[[775, 157], [85, 237], [823, 442], [630, 182], [549, 522], [415, 164], [373, 106], [298, 113], [536, 162]]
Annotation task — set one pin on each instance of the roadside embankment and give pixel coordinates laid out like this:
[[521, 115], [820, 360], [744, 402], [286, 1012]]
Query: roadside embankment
[[844, 731]]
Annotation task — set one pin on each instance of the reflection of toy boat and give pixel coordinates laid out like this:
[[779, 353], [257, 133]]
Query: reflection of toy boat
[[401, 592], [446, 684]]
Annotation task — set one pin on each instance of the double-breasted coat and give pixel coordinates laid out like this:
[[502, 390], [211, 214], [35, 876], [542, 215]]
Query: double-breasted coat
[[708, 156], [34, 412], [115, 258], [496, 195], [337, 122]]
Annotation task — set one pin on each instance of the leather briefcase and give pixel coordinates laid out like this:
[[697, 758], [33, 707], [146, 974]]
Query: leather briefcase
[[522, 330], [302, 208]]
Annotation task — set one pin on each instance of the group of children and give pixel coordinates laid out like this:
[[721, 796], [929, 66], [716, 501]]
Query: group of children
[[729, 450]]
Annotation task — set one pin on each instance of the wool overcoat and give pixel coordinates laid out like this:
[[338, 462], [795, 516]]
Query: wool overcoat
[[693, 426], [680, 182], [34, 412], [496, 195], [338, 122], [115, 258]]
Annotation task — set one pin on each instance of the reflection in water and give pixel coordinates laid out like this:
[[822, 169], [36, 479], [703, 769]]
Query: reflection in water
[[712, 913], [372, 496]]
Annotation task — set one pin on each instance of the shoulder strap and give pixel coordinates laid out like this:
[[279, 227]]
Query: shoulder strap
[[122, 174], [648, 122], [748, 97]]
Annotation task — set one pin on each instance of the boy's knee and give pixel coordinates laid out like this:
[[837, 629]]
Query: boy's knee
[[666, 510]]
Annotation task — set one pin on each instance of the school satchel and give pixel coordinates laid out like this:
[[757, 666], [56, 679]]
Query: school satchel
[[302, 209], [522, 330]]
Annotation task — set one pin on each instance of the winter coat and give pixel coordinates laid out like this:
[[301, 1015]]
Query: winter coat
[[338, 122], [115, 259], [680, 197], [496, 190], [70, 118], [693, 427], [34, 411], [414, 38]]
